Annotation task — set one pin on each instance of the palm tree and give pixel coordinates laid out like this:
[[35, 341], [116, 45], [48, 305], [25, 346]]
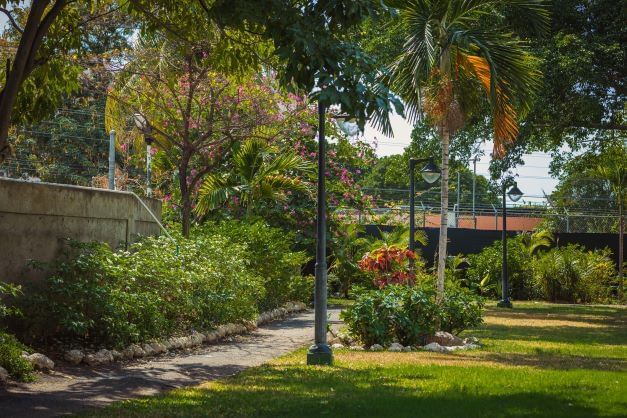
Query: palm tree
[[452, 54], [258, 176]]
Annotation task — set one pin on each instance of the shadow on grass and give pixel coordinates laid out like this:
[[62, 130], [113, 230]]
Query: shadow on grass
[[552, 361], [311, 392], [554, 334]]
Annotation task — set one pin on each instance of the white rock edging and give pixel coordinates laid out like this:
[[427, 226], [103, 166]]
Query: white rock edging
[[148, 349], [40, 362]]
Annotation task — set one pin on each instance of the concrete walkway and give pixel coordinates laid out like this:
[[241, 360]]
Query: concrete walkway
[[72, 389]]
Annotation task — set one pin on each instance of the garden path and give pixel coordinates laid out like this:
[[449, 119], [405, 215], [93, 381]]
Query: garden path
[[72, 389]]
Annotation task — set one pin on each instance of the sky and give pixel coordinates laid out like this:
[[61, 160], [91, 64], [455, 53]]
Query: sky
[[533, 177]]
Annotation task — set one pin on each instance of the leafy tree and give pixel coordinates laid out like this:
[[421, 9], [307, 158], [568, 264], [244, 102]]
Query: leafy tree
[[451, 57], [613, 170], [258, 175], [41, 47], [71, 146], [195, 113], [312, 47], [583, 64]]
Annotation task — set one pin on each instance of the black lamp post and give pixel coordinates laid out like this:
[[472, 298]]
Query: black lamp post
[[320, 352], [143, 125], [430, 173], [514, 194]]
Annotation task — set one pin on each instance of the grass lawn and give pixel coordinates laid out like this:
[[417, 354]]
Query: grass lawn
[[538, 360]]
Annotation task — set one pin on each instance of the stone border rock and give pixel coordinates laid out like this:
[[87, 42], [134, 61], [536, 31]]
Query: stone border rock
[[469, 343], [195, 339]]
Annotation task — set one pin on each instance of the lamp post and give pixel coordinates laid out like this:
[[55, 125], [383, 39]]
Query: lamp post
[[143, 125], [430, 173], [514, 194], [320, 352]]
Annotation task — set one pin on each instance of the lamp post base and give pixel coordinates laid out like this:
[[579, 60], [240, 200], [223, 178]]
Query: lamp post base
[[505, 303], [320, 354]]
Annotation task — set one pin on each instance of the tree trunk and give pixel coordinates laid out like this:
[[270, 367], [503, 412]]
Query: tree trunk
[[186, 201], [621, 237], [443, 217]]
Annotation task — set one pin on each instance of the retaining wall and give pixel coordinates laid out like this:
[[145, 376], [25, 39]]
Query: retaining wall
[[35, 219]]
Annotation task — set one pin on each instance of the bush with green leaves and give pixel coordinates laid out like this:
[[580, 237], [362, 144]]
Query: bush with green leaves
[[460, 309], [10, 348], [572, 274], [11, 357], [408, 314], [484, 271], [270, 257], [226, 274]]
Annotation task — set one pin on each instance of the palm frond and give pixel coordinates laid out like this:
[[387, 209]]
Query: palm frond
[[214, 191], [249, 158]]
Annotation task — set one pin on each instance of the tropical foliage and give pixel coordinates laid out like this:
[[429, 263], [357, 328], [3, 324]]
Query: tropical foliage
[[449, 56], [258, 175], [196, 114], [538, 270], [389, 265], [408, 314]]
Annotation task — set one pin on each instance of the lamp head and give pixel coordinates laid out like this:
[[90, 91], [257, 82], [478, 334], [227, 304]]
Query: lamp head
[[430, 172], [514, 193]]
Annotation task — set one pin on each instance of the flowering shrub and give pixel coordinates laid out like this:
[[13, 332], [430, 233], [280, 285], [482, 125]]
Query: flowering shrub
[[408, 314], [389, 265]]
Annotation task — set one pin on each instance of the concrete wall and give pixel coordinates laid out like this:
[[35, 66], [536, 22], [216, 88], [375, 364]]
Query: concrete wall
[[35, 219]]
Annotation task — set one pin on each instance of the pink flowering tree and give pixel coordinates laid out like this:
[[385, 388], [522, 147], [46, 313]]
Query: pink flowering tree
[[197, 114]]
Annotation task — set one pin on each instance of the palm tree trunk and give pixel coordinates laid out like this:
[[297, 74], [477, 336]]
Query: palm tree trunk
[[621, 237], [443, 216]]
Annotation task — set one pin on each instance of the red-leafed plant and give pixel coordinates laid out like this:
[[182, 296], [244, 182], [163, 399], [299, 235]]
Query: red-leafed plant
[[390, 265]]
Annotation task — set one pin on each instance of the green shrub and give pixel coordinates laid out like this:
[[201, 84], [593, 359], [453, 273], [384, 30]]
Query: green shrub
[[370, 317], [270, 257], [484, 271], [224, 273], [408, 314], [10, 348], [572, 274], [11, 358], [460, 310]]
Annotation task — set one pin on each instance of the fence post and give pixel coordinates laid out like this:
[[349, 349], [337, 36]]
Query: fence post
[[496, 218], [112, 160]]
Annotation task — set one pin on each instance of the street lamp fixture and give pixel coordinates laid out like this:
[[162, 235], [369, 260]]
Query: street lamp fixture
[[430, 173], [143, 125], [320, 352], [514, 195]]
